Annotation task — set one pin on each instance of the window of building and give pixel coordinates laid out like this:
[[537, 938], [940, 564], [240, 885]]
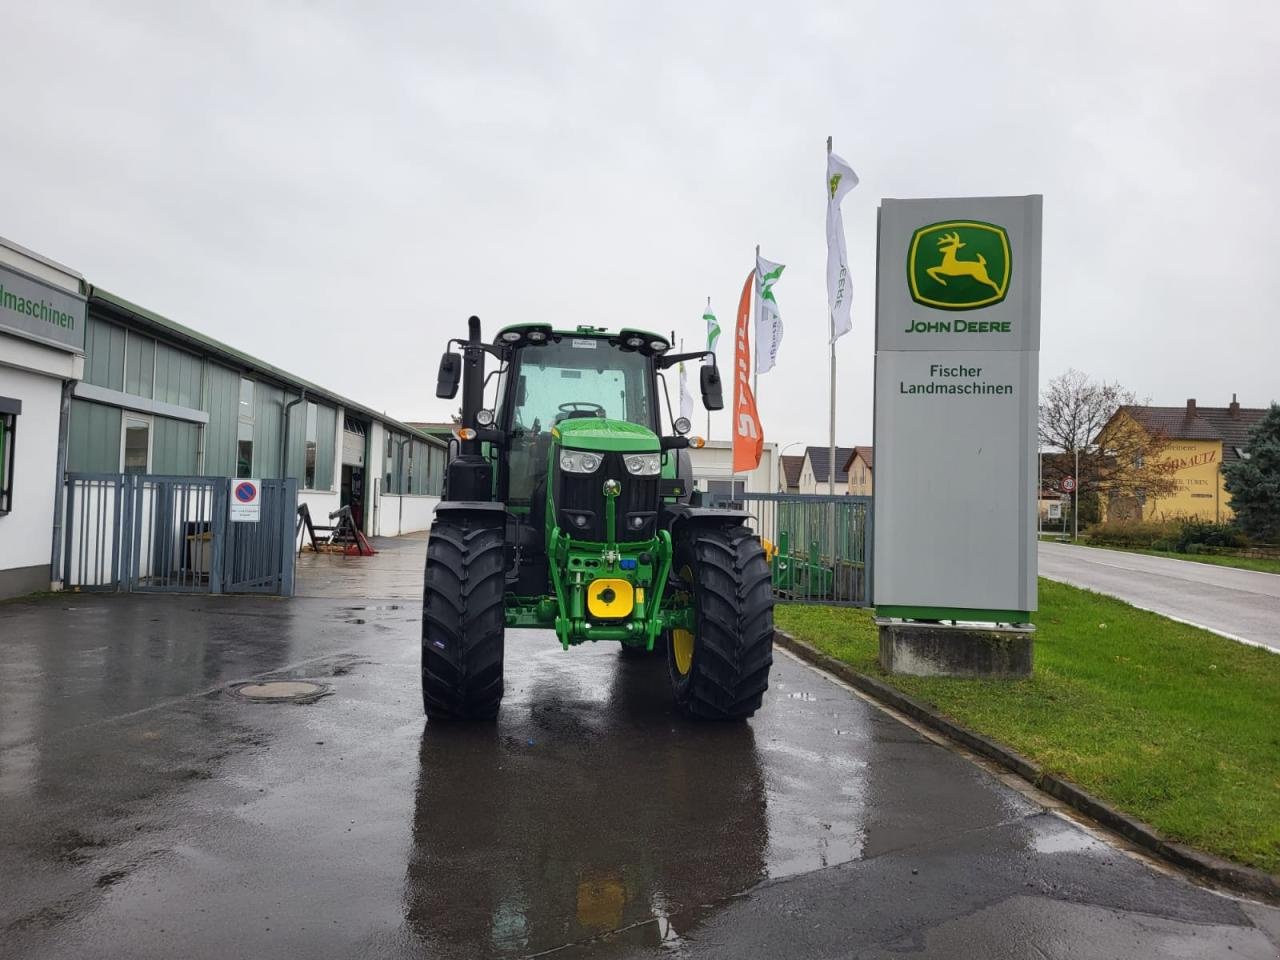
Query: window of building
[[135, 455], [9, 410], [726, 492], [313, 435], [244, 431]]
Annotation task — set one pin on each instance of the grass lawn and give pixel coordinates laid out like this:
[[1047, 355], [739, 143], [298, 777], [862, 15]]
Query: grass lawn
[[1172, 724], [1261, 564]]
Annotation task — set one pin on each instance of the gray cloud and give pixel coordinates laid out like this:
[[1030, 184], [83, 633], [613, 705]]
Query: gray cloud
[[335, 188]]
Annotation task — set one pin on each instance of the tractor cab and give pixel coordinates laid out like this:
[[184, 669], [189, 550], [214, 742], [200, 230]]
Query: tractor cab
[[566, 506]]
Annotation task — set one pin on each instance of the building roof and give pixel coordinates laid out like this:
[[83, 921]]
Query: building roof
[[435, 427], [145, 318], [868, 455], [791, 467], [818, 460], [1231, 424]]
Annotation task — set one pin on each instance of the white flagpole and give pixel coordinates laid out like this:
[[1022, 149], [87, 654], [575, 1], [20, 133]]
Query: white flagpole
[[755, 304], [831, 452], [704, 323]]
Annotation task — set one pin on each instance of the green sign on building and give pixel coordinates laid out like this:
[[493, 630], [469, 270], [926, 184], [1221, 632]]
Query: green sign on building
[[959, 265]]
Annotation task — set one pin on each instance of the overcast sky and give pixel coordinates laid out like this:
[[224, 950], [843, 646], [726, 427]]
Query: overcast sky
[[335, 187]]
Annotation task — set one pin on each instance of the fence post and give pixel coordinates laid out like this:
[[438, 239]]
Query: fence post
[[130, 531], [68, 527], [218, 529], [288, 535], [868, 549]]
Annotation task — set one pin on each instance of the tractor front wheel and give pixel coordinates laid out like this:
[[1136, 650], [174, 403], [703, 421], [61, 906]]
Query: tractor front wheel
[[463, 620], [720, 669]]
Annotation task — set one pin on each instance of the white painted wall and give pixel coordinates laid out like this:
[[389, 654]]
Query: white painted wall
[[26, 534], [405, 514], [715, 462], [375, 476]]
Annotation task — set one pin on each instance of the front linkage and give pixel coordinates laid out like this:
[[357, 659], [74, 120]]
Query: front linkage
[[621, 584]]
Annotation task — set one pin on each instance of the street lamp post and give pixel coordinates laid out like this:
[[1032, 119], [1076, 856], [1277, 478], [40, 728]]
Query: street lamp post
[[1075, 503]]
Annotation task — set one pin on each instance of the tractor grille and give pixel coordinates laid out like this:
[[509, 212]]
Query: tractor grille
[[579, 495]]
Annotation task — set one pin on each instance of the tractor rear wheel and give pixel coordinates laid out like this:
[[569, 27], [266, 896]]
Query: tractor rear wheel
[[720, 669], [463, 620]]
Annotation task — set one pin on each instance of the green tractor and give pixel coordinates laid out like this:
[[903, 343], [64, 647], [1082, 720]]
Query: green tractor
[[567, 508]]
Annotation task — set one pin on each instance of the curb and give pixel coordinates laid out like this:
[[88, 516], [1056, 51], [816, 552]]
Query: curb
[[1243, 879]]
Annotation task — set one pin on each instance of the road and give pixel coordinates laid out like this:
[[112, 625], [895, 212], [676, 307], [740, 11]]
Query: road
[[1242, 604], [146, 813]]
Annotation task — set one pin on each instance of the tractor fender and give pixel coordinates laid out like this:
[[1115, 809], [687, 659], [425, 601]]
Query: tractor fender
[[677, 515], [483, 511], [684, 471]]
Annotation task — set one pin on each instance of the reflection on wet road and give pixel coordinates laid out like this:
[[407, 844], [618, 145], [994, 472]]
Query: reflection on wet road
[[146, 813]]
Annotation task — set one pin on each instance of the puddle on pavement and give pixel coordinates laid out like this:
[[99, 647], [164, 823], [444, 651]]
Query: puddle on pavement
[[1070, 839]]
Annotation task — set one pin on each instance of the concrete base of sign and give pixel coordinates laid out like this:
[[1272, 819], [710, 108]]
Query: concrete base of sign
[[923, 649]]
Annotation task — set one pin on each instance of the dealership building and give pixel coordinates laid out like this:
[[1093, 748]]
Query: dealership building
[[91, 383]]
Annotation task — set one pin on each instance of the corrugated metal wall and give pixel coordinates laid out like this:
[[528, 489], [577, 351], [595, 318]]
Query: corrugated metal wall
[[134, 363], [224, 412], [104, 354], [139, 365], [175, 447], [178, 378], [326, 430], [268, 419], [94, 438]]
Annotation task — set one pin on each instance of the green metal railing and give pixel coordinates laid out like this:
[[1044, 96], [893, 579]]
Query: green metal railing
[[819, 546]]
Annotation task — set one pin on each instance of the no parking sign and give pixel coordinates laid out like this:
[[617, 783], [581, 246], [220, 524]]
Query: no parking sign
[[246, 501]]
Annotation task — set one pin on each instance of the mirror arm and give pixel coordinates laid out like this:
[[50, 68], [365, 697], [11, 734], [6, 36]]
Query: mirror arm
[[671, 359]]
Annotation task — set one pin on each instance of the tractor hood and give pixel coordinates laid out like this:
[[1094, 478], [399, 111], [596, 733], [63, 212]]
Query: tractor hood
[[594, 433]]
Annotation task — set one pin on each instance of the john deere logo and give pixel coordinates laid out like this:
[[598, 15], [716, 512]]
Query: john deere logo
[[959, 265]]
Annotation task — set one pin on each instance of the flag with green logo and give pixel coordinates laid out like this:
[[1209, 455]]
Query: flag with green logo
[[686, 398], [713, 327], [768, 319], [840, 180]]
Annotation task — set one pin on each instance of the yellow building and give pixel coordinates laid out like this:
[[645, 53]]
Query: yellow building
[[1198, 440], [859, 467]]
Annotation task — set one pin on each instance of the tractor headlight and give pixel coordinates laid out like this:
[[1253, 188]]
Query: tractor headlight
[[484, 418], [576, 461], [643, 464]]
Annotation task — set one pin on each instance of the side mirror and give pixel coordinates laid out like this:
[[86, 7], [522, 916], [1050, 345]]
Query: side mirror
[[450, 373], [522, 391], [709, 378]]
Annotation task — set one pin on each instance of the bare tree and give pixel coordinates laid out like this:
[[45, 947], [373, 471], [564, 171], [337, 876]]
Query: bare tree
[[1074, 409], [1118, 459]]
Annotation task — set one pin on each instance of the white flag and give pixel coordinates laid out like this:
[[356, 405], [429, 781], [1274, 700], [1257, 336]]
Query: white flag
[[686, 398], [840, 180], [768, 320], [713, 327]]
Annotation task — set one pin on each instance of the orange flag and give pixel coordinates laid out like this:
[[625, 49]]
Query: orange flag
[[748, 435]]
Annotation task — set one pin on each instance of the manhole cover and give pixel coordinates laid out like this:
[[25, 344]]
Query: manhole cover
[[281, 691]]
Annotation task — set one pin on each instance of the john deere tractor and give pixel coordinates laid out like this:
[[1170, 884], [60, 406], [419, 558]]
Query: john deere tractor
[[568, 507]]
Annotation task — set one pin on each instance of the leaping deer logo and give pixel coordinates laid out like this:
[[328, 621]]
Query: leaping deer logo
[[950, 266]]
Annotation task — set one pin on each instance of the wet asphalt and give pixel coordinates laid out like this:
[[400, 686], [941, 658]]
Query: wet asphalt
[[146, 812]]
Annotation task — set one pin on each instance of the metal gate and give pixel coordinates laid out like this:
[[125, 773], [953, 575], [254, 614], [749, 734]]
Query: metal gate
[[259, 557], [819, 546], [143, 533]]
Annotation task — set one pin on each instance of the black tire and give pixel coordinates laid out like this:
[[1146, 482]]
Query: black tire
[[463, 621], [728, 576]]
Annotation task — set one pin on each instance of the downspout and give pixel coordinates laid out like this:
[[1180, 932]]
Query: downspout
[[284, 434], [60, 486]]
